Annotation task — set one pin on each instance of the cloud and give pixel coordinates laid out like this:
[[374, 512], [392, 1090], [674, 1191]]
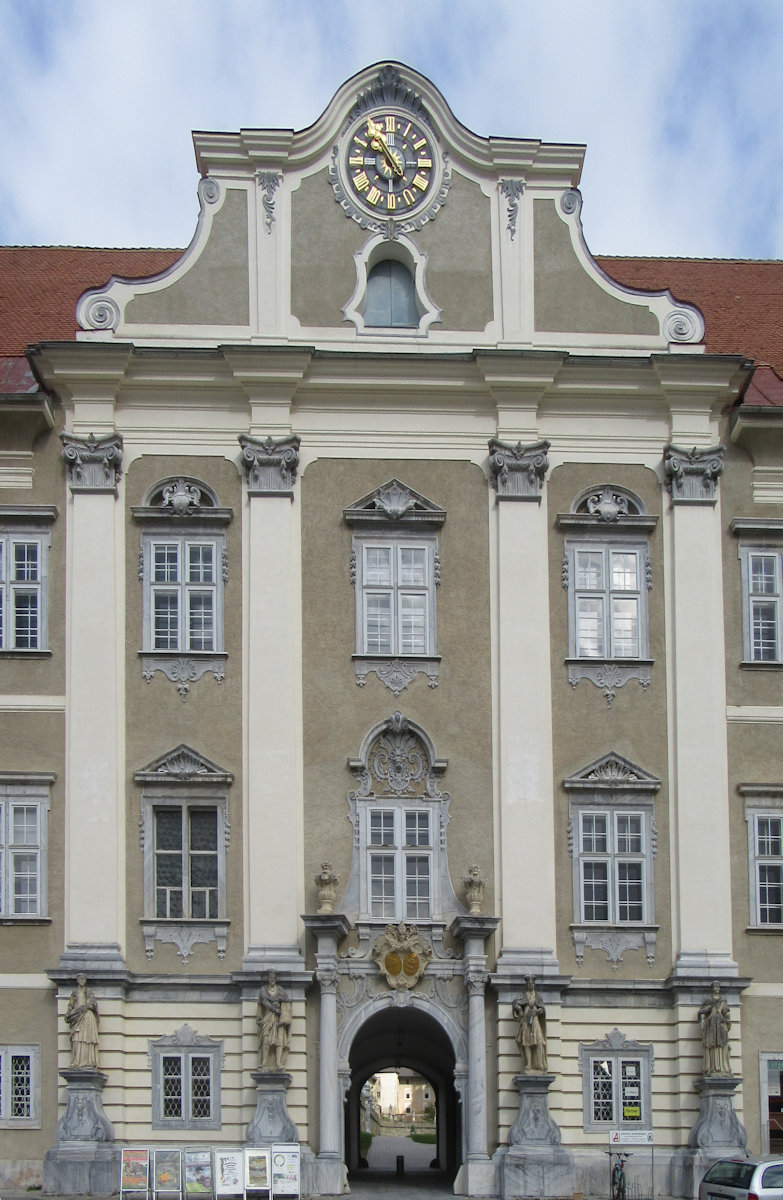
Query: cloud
[[677, 104]]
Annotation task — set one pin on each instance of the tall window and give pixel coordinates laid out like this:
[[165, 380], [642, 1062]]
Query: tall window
[[24, 802], [20, 1086], [608, 601], [397, 598], [616, 1083], [764, 815], [23, 572], [183, 593], [186, 862], [400, 863], [186, 1070], [762, 597], [613, 862]]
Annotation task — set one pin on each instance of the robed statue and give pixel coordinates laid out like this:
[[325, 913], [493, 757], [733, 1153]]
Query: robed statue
[[274, 1024], [81, 1017]]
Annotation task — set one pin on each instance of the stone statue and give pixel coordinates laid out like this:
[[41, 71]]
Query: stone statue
[[81, 1018], [715, 1021], [274, 1024], [327, 887], [529, 1011]]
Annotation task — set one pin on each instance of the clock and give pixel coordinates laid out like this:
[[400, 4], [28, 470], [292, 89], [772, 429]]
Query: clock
[[388, 169]]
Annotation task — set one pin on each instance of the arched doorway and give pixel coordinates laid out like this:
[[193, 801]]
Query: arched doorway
[[406, 1037]]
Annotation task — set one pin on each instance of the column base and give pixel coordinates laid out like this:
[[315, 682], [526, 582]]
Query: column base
[[477, 1177], [324, 1175], [716, 1134], [535, 1163], [271, 1122], [82, 1169]]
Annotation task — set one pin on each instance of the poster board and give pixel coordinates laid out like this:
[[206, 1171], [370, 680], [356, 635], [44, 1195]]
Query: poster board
[[285, 1169], [167, 1172], [257, 1169], [134, 1171], [229, 1173], [197, 1171]]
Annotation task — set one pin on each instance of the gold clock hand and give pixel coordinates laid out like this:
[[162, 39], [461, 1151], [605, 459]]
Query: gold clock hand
[[378, 142]]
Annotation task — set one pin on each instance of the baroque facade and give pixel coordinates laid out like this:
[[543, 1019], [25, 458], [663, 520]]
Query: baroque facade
[[391, 599]]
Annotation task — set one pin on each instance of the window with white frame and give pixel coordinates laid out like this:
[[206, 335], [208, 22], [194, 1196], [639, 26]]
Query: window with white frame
[[762, 596], [399, 868], [23, 578], [183, 572], [184, 836], [613, 842], [607, 576], [764, 817], [24, 804], [396, 584], [616, 1083], [186, 1070], [20, 1087]]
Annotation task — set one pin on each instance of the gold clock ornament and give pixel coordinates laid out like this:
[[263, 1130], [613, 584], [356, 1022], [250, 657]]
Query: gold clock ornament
[[388, 171]]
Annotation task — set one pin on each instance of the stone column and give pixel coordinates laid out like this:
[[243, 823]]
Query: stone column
[[524, 724], [329, 929], [94, 787], [701, 901], [273, 798], [476, 1176]]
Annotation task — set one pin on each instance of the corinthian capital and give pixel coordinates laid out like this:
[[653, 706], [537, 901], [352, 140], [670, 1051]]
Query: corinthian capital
[[94, 464]]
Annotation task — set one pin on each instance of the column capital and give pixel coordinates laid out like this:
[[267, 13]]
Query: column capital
[[270, 465], [94, 464], [516, 471], [692, 475]]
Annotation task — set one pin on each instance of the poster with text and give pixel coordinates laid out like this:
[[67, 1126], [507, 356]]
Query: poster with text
[[285, 1170], [229, 1173], [135, 1174]]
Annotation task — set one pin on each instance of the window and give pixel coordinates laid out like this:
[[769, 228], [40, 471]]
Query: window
[[606, 572], [24, 803], [20, 1086], [186, 1081], [183, 571], [395, 569], [616, 1083], [764, 817], [23, 574], [391, 297], [613, 842], [184, 823], [400, 864], [762, 596]]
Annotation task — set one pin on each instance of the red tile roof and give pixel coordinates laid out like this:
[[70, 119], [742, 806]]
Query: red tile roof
[[742, 301]]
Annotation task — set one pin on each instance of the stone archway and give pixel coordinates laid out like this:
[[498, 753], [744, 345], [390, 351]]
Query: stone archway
[[406, 1037]]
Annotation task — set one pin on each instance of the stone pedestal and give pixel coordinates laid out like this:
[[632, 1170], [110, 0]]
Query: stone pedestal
[[271, 1122], [716, 1134], [85, 1161], [535, 1163]]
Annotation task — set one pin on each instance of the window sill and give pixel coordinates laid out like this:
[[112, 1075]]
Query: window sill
[[25, 653], [609, 673], [765, 930], [396, 673], [22, 920], [184, 668], [614, 940], [753, 664], [184, 934]]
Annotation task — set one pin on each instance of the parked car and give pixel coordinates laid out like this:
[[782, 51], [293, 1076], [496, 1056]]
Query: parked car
[[743, 1179]]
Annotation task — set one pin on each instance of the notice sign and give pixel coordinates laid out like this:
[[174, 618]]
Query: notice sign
[[135, 1170], [229, 1173], [256, 1169], [631, 1137], [285, 1170]]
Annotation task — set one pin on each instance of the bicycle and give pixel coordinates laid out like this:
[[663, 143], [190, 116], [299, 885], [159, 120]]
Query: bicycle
[[618, 1176]]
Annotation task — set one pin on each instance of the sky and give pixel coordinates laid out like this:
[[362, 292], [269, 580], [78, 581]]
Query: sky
[[679, 103]]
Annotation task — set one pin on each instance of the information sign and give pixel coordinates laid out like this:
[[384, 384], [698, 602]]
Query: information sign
[[257, 1172], [135, 1172], [285, 1169], [229, 1173], [631, 1137], [198, 1172]]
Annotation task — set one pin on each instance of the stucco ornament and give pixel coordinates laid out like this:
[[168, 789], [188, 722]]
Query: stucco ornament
[[474, 889], [327, 883], [402, 955]]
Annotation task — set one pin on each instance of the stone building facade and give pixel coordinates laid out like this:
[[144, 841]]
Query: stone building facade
[[391, 600]]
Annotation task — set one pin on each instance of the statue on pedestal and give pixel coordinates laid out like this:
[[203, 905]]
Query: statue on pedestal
[[81, 1018], [274, 1024], [715, 1021], [529, 1011]]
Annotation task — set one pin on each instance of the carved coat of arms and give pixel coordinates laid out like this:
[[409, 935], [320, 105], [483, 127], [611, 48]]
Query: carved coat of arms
[[402, 955]]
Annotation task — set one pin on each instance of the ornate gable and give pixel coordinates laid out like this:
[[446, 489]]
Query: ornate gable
[[183, 765], [394, 502], [612, 772]]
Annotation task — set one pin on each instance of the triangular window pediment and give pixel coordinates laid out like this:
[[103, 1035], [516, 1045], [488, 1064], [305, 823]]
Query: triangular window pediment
[[183, 765], [394, 502], [612, 772]]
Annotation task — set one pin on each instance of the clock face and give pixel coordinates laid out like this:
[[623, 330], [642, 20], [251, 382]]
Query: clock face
[[390, 163]]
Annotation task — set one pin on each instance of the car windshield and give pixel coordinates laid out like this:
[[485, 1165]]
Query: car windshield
[[773, 1176], [730, 1173]]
